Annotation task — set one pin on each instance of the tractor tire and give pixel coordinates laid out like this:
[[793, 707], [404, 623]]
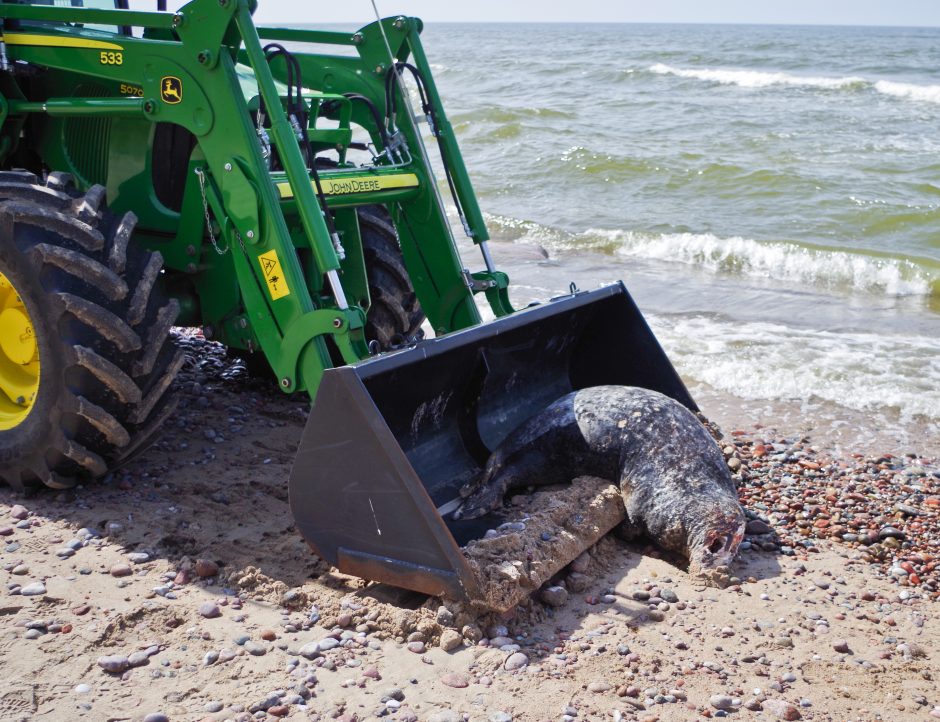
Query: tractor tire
[[395, 317], [100, 326]]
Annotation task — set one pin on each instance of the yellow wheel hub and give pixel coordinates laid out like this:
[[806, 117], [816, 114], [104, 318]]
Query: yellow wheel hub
[[19, 358]]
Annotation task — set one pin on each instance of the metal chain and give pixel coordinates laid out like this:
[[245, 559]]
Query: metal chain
[[205, 207]]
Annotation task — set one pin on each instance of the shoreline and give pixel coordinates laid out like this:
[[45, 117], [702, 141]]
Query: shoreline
[[183, 572], [836, 429]]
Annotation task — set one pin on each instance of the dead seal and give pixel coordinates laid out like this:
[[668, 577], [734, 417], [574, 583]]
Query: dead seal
[[675, 484]]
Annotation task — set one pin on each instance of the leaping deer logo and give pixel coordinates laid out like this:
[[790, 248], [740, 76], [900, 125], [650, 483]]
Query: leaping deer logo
[[171, 89]]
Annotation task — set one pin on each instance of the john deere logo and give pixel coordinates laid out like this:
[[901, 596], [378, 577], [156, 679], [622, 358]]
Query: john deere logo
[[171, 89]]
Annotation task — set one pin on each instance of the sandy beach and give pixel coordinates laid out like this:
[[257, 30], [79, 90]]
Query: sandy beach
[[178, 589]]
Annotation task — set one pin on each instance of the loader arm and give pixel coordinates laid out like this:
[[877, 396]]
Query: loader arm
[[183, 72]]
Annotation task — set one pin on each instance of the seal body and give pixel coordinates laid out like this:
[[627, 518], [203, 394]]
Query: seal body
[[675, 484]]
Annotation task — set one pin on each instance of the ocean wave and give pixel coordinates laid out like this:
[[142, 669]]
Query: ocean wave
[[764, 79], [862, 371], [758, 79], [780, 261], [909, 91]]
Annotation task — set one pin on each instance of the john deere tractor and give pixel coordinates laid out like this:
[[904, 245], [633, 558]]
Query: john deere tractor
[[188, 168]]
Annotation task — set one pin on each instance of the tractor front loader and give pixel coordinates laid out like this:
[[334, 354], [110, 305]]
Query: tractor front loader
[[189, 168]]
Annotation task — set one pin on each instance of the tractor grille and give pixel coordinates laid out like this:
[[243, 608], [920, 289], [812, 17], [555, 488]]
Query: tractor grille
[[86, 140]]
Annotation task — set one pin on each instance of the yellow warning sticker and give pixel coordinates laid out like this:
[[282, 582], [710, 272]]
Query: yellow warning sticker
[[273, 275]]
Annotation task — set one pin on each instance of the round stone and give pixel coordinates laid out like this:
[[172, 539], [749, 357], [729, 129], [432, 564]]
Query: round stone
[[516, 660]]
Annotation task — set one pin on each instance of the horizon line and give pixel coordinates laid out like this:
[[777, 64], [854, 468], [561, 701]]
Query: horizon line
[[358, 23]]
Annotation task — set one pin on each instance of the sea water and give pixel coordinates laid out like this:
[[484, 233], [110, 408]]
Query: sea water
[[770, 196]]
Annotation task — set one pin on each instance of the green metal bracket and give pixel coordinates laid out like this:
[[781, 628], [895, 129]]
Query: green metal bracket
[[495, 286], [346, 329], [241, 201]]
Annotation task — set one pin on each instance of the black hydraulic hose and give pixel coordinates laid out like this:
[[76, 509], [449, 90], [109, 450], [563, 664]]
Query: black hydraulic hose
[[298, 110], [392, 75], [391, 106], [330, 106]]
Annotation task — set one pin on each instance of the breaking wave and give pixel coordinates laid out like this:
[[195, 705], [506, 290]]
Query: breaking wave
[[781, 261], [862, 371], [763, 79], [827, 268], [909, 91], [758, 79]]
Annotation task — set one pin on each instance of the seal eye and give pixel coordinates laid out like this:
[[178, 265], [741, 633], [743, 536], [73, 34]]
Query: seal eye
[[716, 545]]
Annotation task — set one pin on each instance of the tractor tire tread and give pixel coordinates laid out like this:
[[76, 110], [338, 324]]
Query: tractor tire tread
[[395, 315], [112, 358], [84, 268]]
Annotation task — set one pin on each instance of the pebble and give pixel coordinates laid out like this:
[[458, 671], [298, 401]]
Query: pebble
[[82, 688], [841, 646], [721, 701], [500, 717], [255, 649], [121, 570], [445, 617], [598, 687], [18, 511], [450, 640], [214, 707], [156, 717], [33, 590], [516, 660], [114, 664], [554, 596], [206, 568], [890, 532], [453, 679], [310, 650], [210, 610], [138, 659], [328, 643], [416, 647], [668, 595], [138, 557], [781, 709], [756, 527]]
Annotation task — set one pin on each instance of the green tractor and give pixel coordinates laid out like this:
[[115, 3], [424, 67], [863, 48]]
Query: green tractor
[[188, 168]]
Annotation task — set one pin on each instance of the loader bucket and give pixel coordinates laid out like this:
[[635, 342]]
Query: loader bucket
[[390, 441]]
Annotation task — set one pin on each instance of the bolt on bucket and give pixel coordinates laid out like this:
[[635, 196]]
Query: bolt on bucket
[[390, 441]]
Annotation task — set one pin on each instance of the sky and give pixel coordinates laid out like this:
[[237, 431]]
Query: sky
[[796, 12]]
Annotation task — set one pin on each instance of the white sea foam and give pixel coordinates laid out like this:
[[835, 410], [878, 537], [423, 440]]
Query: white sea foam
[[909, 91], [780, 261], [862, 371], [764, 79], [757, 78]]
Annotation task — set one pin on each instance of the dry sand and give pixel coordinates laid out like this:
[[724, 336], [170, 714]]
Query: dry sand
[[817, 636]]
